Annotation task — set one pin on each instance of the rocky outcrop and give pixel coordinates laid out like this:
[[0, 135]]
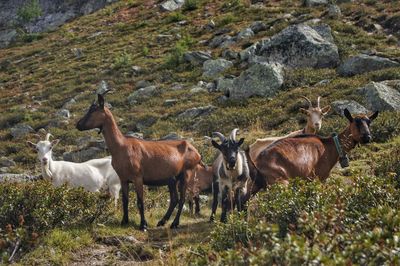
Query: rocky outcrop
[[297, 46], [21, 130], [261, 79], [143, 94], [196, 58], [381, 97], [363, 63], [353, 106], [83, 155], [171, 5], [197, 111], [48, 15]]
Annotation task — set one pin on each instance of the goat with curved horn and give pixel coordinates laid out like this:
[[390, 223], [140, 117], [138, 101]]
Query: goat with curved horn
[[219, 135], [233, 134]]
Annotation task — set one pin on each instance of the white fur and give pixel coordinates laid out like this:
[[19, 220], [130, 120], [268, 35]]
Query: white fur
[[93, 175]]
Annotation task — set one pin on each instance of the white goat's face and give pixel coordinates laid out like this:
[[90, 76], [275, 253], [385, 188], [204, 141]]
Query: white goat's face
[[44, 149], [315, 115]]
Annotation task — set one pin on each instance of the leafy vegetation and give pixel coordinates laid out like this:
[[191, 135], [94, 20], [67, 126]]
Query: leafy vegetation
[[30, 11]]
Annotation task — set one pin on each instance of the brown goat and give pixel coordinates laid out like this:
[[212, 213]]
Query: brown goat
[[155, 163], [201, 181], [309, 156], [314, 122]]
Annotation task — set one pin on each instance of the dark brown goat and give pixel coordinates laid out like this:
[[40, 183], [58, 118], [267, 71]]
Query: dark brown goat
[[156, 163], [201, 181], [309, 156]]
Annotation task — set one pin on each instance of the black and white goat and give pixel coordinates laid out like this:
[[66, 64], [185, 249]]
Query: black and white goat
[[231, 174]]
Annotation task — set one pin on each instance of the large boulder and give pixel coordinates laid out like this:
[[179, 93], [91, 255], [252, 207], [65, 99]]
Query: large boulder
[[212, 68], [43, 16], [353, 106], [363, 63], [21, 130], [380, 97], [143, 94], [196, 58], [261, 79], [171, 5], [299, 46]]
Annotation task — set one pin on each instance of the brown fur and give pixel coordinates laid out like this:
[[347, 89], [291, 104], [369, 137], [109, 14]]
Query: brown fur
[[307, 156], [201, 181], [144, 162]]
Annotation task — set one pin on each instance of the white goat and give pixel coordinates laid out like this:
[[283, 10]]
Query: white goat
[[93, 175], [231, 175]]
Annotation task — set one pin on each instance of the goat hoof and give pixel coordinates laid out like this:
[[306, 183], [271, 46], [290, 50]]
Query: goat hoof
[[161, 223], [174, 226], [143, 228], [212, 219], [124, 222]]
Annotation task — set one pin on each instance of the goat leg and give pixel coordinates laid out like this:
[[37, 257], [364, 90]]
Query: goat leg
[[140, 203], [173, 201], [182, 191], [215, 189], [197, 205], [125, 201], [226, 204]]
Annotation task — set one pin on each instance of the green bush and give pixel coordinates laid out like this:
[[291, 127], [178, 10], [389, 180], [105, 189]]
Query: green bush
[[175, 58], [175, 17], [29, 11], [29, 209], [386, 126], [122, 60], [190, 5], [312, 223]]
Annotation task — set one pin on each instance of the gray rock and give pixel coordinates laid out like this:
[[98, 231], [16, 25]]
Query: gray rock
[[198, 89], [311, 3], [224, 85], [142, 84], [210, 86], [172, 136], [325, 31], [209, 26], [196, 58], [212, 68], [334, 11], [143, 94], [353, 106], [380, 97], [258, 26], [245, 34], [171, 5], [137, 70], [300, 46], [5, 162], [197, 111], [249, 53], [69, 104], [15, 178], [88, 141], [229, 54], [63, 113], [21, 130], [132, 134], [364, 63], [261, 79], [145, 122], [83, 155], [53, 14], [221, 41], [170, 102]]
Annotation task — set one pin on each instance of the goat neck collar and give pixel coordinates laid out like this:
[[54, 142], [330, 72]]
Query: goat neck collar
[[343, 159]]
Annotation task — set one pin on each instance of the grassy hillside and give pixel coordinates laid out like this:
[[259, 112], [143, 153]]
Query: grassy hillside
[[40, 73]]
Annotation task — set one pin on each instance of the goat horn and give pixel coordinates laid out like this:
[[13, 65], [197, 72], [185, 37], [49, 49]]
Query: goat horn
[[233, 134], [219, 135], [48, 135], [105, 92], [319, 98], [308, 100]]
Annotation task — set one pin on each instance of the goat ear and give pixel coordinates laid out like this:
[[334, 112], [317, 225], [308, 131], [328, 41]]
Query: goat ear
[[374, 115], [100, 99], [55, 142], [31, 144], [240, 141], [215, 144], [348, 115], [326, 109], [304, 111]]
